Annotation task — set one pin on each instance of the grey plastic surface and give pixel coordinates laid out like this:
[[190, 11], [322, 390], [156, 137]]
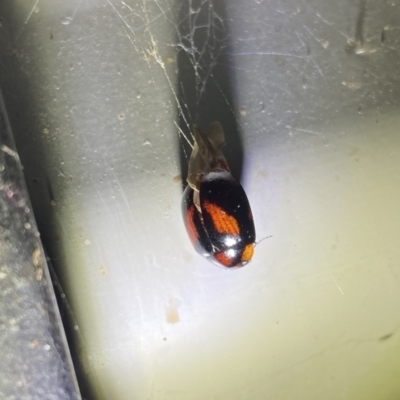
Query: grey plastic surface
[[35, 360], [308, 93]]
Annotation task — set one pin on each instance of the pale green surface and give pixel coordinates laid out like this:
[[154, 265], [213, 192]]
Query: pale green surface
[[305, 320]]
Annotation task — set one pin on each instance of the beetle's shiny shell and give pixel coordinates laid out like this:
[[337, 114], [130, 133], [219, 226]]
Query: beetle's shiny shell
[[223, 229]]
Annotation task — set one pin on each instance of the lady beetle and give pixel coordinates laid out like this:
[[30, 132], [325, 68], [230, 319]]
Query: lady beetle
[[215, 208]]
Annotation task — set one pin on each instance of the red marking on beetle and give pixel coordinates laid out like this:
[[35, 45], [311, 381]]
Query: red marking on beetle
[[190, 226], [223, 223], [223, 259]]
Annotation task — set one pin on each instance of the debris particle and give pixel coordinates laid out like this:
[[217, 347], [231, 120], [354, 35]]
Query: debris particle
[[34, 344], [386, 337], [352, 85], [10, 152], [146, 142], [171, 314], [177, 179], [37, 262]]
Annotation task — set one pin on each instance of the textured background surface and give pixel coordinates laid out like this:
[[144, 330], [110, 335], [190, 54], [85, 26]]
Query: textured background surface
[[308, 93], [35, 361]]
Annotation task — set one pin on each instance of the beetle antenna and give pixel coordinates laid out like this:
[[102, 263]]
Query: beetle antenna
[[259, 241]]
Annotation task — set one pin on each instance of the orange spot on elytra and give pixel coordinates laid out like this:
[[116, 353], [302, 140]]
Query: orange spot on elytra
[[223, 223], [248, 253]]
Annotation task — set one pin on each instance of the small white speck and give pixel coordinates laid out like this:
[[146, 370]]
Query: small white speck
[[66, 21]]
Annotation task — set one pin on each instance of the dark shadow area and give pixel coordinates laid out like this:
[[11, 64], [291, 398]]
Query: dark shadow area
[[205, 80], [25, 294], [26, 107]]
